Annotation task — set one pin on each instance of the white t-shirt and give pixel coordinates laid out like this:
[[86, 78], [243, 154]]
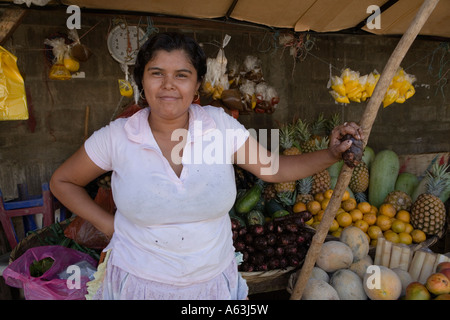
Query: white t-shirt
[[171, 229]]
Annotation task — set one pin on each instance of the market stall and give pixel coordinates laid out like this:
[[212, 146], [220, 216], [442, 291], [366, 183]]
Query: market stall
[[388, 210]]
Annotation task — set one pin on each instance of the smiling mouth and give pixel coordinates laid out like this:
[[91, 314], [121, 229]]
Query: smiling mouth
[[168, 98]]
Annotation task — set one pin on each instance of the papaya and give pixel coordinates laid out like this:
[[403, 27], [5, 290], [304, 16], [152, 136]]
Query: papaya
[[383, 175], [406, 182]]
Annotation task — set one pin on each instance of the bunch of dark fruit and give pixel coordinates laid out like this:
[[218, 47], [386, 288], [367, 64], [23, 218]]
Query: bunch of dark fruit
[[280, 243]]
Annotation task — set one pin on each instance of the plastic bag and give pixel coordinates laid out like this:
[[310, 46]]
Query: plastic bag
[[216, 78], [13, 101], [83, 232], [49, 286]]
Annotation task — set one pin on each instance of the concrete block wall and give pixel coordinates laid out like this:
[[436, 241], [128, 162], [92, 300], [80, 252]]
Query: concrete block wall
[[420, 125]]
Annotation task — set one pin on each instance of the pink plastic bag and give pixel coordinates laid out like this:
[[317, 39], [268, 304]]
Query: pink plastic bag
[[50, 286]]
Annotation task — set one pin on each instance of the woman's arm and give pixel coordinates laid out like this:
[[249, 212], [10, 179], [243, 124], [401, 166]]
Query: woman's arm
[[67, 184], [282, 168]]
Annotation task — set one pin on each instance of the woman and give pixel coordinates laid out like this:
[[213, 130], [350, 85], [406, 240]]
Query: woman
[[171, 233]]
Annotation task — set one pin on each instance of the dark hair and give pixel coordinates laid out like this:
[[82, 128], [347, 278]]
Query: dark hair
[[169, 41]]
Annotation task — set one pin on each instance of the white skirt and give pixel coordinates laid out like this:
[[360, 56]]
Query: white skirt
[[113, 283]]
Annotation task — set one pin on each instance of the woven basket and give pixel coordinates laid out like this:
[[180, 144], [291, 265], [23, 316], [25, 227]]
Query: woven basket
[[34, 240]]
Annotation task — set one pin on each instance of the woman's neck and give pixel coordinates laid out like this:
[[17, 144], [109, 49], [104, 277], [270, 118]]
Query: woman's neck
[[167, 126]]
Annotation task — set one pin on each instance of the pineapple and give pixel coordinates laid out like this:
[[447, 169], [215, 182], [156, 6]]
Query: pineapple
[[318, 128], [304, 190], [269, 191], [322, 179], [332, 123], [361, 197], [304, 136], [428, 211], [399, 199], [359, 182], [289, 147]]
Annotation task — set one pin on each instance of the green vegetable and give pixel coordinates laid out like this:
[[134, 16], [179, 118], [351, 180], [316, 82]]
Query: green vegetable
[[255, 217], [39, 267], [249, 199]]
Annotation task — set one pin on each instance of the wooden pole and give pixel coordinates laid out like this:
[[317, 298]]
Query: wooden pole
[[366, 123]]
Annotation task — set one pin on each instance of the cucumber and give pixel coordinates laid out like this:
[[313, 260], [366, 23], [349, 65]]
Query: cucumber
[[406, 182], [246, 202], [383, 175], [255, 217]]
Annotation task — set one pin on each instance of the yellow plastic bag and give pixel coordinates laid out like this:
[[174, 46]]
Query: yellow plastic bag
[[13, 100], [125, 88]]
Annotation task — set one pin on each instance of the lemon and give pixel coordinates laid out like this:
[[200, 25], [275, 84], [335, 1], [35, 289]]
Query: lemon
[[364, 207], [348, 205], [403, 215], [405, 238], [391, 236], [398, 226], [388, 210], [313, 207], [374, 232], [384, 222], [344, 219], [334, 226], [418, 236], [356, 215], [363, 225]]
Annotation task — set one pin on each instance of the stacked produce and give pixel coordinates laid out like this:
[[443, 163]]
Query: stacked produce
[[344, 270], [351, 87]]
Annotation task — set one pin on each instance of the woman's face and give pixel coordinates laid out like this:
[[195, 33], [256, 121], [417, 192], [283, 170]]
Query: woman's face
[[170, 83]]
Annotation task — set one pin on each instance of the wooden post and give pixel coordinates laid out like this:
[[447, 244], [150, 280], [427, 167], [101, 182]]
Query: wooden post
[[366, 123]]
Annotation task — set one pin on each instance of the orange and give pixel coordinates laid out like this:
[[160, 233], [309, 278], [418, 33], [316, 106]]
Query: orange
[[334, 226], [327, 194], [315, 224], [319, 196], [405, 238], [349, 204], [403, 215], [418, 236], [387, 209], [409, 228], [299, 207], [346, 195], [363, 225], [313, 207], [370, 218], [324, 203], [391, 236], [356, 214], [310, 221], [373, 209], [373, 242], [336, 233], [384, 222], [319, 215], [364, 207], [398, 226], [344, 219], [374, 232]]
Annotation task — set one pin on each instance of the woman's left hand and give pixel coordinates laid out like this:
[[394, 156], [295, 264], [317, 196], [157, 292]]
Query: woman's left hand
[[336, 146]]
